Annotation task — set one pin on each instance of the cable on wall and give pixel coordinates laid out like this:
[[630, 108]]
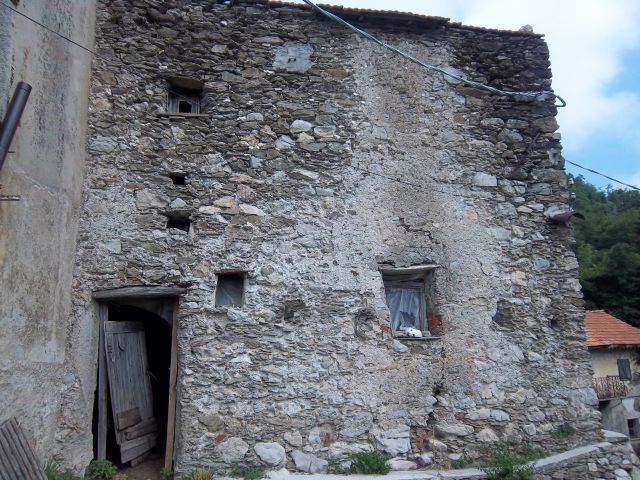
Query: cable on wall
[[471, 83]]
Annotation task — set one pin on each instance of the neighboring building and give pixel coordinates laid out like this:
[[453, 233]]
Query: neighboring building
[[614, 347], [38, 233]]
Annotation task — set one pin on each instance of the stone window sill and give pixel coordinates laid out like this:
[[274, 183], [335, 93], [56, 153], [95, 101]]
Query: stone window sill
[[182, 115], [417, 339]]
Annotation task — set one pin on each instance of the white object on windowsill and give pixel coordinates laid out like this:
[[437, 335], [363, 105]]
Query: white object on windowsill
[[412, 332]]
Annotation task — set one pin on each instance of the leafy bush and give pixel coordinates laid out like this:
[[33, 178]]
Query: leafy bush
[[200, 474], [509, 464], [53, 472], [248, 473], [369, 463], [563, 431], [101, 470]]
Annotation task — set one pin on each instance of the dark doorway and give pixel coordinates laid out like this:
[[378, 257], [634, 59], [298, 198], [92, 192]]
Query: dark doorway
[[157, 334]]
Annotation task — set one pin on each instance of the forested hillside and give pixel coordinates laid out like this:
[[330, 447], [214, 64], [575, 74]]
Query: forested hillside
[[609, 248]]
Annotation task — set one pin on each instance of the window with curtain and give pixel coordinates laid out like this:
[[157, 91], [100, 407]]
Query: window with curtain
[[624, 369], [407, 302]]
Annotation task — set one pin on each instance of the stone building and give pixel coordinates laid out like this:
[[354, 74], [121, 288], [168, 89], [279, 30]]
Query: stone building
[[282, 206]]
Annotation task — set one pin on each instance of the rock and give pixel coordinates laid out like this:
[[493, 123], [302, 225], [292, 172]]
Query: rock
[[254, 117], [237, 315], [479, 414], [299, 126], [621, 474], [255, 162], [209, 210], [438, 445], [356, 425], [270, 453], [458, 430], [293, 438], [614, 437], [484, 180], [284, 143], [147, 199], [232, 450], [400, 464], [399, 347], [302, 174], [215, 423], [114, 246], [487, 435], [226, 202], [178, 204], [500, 415], [251, 210], [103, 145], [327, 131], [425, 458], [308, 463], [393, 442], [509, 136], [305, 138]]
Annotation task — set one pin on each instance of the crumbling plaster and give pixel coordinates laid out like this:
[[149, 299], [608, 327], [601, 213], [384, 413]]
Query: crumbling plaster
[[275, 188]]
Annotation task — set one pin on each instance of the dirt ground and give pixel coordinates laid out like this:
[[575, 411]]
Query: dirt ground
[[147, 470]]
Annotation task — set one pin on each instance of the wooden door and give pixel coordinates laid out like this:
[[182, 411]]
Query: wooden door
[[130, 390]]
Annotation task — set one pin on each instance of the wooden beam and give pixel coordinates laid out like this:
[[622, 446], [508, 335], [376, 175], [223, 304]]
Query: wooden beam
[[102, 384], [138, 292], [173, 376], [408, 270]]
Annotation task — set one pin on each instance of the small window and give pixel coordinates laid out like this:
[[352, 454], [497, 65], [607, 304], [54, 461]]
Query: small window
[[624, 369], [230, 289], [406, 292], [634, 428], [184, 96]]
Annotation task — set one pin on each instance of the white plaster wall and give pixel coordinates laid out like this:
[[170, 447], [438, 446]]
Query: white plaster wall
[[604, 360], [38, 234]]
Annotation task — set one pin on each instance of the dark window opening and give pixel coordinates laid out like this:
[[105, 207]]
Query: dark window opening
[[230, 289], [179, 221], [184, 95], [634, 428], [178, 178], [624, 369]]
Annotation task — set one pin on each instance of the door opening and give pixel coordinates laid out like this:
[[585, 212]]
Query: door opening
[[134, 408]]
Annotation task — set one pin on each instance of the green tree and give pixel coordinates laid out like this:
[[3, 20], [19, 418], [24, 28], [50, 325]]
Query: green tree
[[608, 248]]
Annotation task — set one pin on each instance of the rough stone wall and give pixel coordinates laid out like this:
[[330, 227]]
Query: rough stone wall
[[38, 233], [277, 186]]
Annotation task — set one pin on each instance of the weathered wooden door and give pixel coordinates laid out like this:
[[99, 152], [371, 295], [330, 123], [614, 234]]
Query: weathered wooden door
[[131, 400]]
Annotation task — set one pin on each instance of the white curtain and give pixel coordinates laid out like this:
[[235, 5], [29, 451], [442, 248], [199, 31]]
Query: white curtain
[[404, 305]]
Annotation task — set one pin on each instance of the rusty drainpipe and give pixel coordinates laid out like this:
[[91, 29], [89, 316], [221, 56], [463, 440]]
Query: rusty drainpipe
[[12, 118]]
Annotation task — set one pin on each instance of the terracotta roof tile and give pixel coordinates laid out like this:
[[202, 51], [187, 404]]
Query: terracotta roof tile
[[605, 330]]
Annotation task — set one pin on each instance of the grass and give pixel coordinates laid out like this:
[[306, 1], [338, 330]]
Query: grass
[[248, 473], [511, 464], [368, 463]]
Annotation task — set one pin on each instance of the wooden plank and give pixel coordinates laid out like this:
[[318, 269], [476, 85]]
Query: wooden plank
[[17, 460], [142, 428], [138, 292], [140, 459], [128, 418], [173, 375], [124, 327], [134, 448], [103, 314]]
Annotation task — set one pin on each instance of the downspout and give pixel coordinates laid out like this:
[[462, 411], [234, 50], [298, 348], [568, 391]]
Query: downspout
[[12, 118]]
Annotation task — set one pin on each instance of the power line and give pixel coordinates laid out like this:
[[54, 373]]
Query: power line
[[94, 53], [367, 35], [603, 175], [428, 66]]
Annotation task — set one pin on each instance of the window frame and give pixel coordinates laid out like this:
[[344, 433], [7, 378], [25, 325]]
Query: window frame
[[228, 274], [177, 95], [418, 277]]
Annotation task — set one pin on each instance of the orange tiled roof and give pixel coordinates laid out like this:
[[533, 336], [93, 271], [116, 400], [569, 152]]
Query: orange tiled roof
[[604, 330]]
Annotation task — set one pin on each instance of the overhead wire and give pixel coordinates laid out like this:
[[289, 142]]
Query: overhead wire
[[428, 66], [362, 32]]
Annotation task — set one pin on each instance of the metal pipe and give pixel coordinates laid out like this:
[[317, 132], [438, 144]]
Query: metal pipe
[[12, 118]]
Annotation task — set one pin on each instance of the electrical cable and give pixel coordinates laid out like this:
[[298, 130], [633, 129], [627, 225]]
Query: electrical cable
[[471, 83], [603, 175], [334, 17], [97, 55]]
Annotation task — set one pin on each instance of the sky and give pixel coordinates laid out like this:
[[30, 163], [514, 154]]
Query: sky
[[595, 61]]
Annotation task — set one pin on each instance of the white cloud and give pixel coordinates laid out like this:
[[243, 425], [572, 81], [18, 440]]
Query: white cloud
[[587, 40], [632, 179]]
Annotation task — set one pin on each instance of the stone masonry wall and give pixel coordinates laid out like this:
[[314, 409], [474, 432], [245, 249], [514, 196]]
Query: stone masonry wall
[[308, 173]]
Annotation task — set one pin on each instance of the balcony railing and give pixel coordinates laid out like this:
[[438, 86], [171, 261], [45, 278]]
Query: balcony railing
[[609, 387]]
